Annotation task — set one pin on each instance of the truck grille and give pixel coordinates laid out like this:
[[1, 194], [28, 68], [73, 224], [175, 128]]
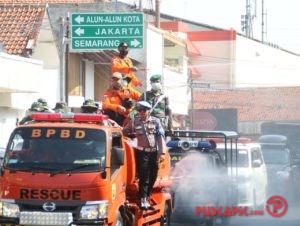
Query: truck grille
[[45, 218]]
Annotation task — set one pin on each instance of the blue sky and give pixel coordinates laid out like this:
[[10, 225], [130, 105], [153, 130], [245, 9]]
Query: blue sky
[[282, 17]]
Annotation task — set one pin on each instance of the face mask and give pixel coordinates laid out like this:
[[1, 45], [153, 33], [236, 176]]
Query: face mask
[[156, 86], [124, 83]]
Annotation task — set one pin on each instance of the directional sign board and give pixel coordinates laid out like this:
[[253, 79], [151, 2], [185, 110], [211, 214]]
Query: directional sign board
[[96, 31]]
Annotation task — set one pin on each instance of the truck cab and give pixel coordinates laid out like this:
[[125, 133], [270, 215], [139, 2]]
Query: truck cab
[[250, 169], [283, 173], [76, 169]]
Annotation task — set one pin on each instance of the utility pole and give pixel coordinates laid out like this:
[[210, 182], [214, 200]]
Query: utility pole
[[64, 34], [62, 59], [67, 58], [192, 103], [157, 13]]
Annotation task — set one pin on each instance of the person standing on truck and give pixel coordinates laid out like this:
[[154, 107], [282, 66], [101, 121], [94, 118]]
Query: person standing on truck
[[123, 64], [119, 99], [160, 103], [149, 149]]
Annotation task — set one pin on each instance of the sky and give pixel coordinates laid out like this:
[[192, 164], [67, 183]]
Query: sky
[[281, 17]]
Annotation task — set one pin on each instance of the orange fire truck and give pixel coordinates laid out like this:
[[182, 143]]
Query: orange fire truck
[[76, 169]]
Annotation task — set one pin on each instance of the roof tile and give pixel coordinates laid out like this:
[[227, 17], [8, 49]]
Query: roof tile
[[255, 104], [16, 27]]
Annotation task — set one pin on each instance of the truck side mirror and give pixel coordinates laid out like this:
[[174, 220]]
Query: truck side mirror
[[256, 163], [117, 156]]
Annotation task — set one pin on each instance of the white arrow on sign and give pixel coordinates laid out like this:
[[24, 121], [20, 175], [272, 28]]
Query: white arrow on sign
[[79, 31], [79, 19], [134, 43]]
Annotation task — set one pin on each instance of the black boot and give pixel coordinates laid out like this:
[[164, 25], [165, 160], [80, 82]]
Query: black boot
[[149, 207]]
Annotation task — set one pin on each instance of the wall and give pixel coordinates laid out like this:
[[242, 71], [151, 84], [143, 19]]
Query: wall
[[214, 63], [22, 81], [45, 48], [17, 71], [260, 65], [154, 54], [174, 82]]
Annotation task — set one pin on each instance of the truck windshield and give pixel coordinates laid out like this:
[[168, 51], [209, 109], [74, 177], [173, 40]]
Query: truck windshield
[[275, 156], [242, 157], [56, 150]]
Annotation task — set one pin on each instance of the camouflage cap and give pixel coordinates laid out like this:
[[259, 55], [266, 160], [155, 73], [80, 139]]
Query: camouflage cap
[[42, 100], [36, 106], [43, 103], [61, 107], [155, 77], [89, 103]]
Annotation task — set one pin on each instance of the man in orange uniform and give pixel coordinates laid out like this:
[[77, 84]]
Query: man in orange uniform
[[118, 100], [123, 64]]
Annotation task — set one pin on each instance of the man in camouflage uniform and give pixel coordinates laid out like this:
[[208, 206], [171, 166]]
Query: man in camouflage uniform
[[149, 149], [160, 103]]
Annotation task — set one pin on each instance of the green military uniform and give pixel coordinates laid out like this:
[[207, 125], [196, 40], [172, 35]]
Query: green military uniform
[[160, 105]]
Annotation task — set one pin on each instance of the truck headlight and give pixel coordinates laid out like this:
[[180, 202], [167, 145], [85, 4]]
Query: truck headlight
[[94, 210], [9, 209]]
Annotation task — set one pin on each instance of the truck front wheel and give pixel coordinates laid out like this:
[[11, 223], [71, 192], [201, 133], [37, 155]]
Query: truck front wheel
[[166, 218]]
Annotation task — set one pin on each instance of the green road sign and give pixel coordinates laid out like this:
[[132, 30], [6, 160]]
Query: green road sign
[[96, 31]]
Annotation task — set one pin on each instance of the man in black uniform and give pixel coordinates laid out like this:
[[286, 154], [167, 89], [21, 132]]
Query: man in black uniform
[[150, 135]]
